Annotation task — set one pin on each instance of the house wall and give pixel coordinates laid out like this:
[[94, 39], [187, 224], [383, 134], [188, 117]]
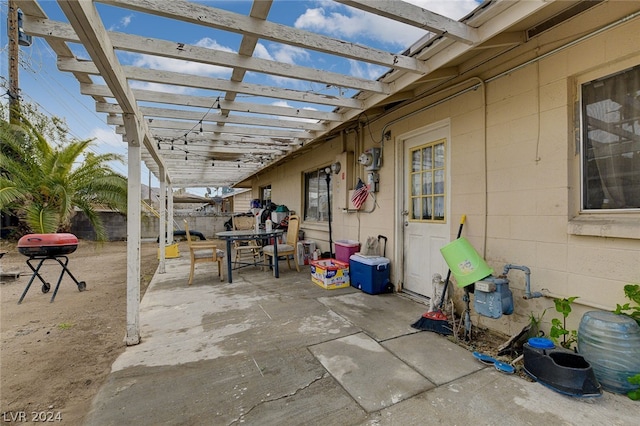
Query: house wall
[[514, 173], [242, 202]]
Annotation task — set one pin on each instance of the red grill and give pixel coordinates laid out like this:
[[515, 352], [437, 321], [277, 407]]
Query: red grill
[[47, 244], [42, 247]]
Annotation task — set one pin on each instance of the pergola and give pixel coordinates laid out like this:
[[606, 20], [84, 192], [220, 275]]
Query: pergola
[[214, 138]]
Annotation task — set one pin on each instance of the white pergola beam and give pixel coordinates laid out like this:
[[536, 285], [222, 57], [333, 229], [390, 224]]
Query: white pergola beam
[[217, 18], [417, 17], [168, 49], [156, 123], [214, 84], [208, 103]]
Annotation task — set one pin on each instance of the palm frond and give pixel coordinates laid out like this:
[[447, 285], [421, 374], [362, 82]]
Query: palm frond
[[41, 219], [10, 194]]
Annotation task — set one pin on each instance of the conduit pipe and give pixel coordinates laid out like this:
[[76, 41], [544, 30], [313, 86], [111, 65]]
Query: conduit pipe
[[527, 277]]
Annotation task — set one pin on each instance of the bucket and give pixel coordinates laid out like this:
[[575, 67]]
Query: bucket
[[465, 263], [611, 343]]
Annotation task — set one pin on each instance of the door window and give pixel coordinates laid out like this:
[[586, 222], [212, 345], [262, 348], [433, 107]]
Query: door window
[[427, 200]]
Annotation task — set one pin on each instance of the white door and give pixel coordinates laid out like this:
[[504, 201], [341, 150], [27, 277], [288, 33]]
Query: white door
[[426, 205]]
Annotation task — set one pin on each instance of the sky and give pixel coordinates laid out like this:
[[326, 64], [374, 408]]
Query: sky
[[57, 93]]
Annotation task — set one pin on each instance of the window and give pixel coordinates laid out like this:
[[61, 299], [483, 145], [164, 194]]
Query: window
[[428, 182], [265, 194], [610, 148], [316, 205]]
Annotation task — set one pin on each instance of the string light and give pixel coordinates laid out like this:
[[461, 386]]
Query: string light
[[215, 104]]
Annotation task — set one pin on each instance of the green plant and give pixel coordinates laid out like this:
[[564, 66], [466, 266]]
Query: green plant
[[43, 183], [559, 327], [634, 394], [632, 292], [65, 325], [534, 324]]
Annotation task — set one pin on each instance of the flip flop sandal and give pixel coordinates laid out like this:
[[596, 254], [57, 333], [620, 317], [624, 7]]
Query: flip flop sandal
[[503, 367], [485, 359]]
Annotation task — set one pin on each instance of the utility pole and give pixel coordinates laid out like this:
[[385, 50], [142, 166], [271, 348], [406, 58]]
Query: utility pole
[[14, 52]]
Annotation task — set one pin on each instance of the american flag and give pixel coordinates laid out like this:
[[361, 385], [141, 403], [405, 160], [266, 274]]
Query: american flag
[[360, 194]]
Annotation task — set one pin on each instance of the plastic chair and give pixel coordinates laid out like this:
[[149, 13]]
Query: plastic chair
[[245, 248], [290, 247], [203, 251]]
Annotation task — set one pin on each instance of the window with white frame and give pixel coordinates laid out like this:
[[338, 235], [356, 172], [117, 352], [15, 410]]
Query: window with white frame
[[316, 196], [610, 148], [428, 182]]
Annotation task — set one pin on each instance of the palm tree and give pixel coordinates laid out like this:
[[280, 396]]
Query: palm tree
[[44, 184]]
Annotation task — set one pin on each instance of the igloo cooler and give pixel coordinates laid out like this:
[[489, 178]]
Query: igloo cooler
[[370, 273]]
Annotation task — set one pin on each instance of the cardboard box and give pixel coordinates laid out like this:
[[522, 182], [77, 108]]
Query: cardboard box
[[330, 273]]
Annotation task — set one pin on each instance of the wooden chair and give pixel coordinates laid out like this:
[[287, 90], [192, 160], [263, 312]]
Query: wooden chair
[[243, 249], [290, 247], [203, 251]]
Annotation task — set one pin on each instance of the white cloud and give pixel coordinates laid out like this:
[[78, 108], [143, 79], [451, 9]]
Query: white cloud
[[165, 88], [261, 52], [106, 138], [454, 9], [126, 21], [365, 70], [179, 65], [122, 23], [289, 54], [355, 25], [209, 43]]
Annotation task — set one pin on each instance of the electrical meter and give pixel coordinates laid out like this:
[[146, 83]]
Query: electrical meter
[[371, 159]]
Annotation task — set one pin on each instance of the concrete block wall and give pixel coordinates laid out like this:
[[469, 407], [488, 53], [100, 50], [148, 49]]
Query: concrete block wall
[[116, 225]]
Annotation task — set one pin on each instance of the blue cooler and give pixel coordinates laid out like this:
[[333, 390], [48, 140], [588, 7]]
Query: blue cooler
[[370, 273]]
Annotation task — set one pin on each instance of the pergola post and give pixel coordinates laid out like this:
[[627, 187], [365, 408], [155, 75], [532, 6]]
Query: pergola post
[[162, 227], [170, 213], [134, 200]]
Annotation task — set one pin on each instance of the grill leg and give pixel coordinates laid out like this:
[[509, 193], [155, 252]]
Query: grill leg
[[81, 284], [35, 274], [64, 268]]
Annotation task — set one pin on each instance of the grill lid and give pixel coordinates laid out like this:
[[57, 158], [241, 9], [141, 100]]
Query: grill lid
[[47, 244]]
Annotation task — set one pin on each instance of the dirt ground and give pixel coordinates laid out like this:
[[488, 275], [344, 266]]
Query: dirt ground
[[55, 356]]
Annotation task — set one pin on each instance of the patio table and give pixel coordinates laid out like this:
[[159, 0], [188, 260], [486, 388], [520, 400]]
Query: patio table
[[248, 235]]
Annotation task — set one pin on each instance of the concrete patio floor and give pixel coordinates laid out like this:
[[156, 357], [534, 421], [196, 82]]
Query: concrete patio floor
[[287, 352]]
